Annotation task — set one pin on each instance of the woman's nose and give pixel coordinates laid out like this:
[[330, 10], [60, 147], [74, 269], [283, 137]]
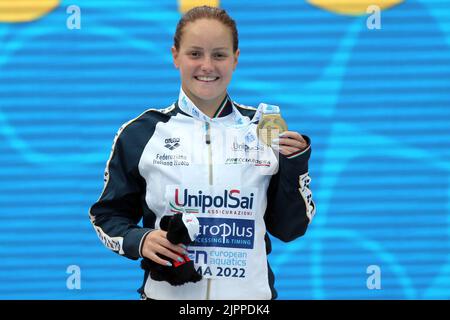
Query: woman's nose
[[207, 64]]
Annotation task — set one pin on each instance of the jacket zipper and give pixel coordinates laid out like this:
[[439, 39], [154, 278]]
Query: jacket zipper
[[208, 142]]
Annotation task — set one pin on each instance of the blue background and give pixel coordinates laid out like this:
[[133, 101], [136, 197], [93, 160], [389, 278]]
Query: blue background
[[376, 104]]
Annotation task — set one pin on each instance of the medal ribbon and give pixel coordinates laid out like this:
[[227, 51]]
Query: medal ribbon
[[239, 121]]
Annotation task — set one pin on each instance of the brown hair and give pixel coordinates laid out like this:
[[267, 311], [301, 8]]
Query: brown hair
[[206, 12]]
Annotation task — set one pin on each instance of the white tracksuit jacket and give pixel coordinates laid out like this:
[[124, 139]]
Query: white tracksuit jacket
[[177, 158]]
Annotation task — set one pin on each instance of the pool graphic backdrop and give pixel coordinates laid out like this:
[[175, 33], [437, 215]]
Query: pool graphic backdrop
[[375, 102]]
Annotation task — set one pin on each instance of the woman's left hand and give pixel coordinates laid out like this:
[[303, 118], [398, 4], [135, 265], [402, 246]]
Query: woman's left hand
[[289, 142]]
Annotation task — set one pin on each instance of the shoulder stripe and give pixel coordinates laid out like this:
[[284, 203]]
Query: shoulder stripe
[[244, 107], [164, 110], [118, 133]]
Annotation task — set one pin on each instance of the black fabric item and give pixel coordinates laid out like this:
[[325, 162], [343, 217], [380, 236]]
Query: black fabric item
[[177, 274]]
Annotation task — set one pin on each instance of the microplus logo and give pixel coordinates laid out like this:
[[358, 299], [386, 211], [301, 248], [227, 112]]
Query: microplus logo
[[230, 199], [224, 232]]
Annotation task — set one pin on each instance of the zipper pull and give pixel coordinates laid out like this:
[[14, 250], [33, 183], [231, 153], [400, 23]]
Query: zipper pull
[[207, 133]]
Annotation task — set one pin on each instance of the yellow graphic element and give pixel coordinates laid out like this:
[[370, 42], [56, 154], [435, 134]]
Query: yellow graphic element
[[353, 7], [25, 10], [185, 5]]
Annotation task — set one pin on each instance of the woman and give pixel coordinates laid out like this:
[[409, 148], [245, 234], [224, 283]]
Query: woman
[[203, 154]]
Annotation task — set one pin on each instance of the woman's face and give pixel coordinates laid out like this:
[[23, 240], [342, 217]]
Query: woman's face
[[206, 61]]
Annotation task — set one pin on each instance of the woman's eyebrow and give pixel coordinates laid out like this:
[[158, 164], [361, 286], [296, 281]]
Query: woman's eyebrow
[[214, 49]]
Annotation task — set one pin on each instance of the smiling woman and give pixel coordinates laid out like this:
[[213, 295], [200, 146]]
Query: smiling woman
[[206, 61], [238, 187], [25, 10]]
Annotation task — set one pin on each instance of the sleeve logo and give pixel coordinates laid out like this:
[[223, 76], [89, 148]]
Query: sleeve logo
[[305, 191]]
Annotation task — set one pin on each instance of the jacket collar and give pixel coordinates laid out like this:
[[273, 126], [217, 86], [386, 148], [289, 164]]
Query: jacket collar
[[187, 106]]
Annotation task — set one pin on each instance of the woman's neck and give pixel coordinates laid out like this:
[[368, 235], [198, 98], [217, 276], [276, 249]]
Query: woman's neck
[[209, 107]]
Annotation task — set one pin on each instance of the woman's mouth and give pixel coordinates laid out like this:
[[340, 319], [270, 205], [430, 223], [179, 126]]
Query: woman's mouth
[[206, 79]]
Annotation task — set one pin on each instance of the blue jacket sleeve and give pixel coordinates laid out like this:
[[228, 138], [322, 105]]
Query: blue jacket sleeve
[[290, 207], [116, 214]]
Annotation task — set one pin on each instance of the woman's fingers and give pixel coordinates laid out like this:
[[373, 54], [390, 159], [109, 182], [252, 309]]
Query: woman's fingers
[[289, 142], [285, 151], [156, 243], [154, 257], [176, 248], [162, 240], [168, 253], [291, 134]]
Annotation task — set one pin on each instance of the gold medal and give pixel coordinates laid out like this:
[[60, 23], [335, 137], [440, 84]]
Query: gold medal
[[271, 124]]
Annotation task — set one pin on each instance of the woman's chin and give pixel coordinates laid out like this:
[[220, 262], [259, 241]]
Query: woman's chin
[[207, 95]]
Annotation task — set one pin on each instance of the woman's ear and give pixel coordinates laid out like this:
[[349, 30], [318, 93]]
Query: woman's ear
[[236, 56], [175, 56]]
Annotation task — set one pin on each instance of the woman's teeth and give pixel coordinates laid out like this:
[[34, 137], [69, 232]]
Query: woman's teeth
[[207, 79]]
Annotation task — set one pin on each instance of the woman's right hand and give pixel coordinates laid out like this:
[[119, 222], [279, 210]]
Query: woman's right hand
[[156, 242]]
